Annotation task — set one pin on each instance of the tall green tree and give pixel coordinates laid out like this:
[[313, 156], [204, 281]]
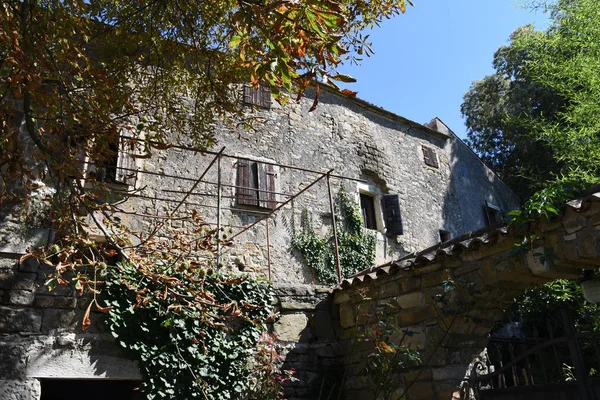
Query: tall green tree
[[534, 119], [497, 111]]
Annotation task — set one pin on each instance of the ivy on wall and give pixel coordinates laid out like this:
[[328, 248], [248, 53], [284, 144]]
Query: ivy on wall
[[189, 352], [192, 328], [356, 244]]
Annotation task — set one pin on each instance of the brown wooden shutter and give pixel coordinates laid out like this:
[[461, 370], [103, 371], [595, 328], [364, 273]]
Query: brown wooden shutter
[[125, 172], [250, 95], [246, 183], [265, 96], [391, 214], [430, 157], [266, 186], [259, 96]]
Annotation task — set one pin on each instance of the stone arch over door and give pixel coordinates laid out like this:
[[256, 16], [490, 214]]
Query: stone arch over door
[[448, 335]]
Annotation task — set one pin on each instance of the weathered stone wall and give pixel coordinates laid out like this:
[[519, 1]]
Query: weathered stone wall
[[308, 334], [40, 335], [355, 139], [448, 336]]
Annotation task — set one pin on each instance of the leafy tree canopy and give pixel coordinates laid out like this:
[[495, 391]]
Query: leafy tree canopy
[[534, 119], [82, 70]]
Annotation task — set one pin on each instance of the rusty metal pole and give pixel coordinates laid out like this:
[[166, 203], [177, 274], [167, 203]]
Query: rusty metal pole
[[335, 237], [219, 235], [268, 247]]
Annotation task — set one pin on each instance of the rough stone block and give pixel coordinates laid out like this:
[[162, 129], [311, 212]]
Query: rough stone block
[[425, 270], [389, 289], [18, 244], [341, 297], [449, 372], [347, 318], [63, 291], [588, 245], [421, 391], [488, 274], [573, 221], [411, 300], [55, 302], [19, 297], [26, 389], [59, 319], [465, 269], [595, 219], [297, 306], [291, 327], [547, 226], [418, 375], [20, 320], [435, 278], [29, 265], [18, 281], [6, 279], [408, 284], [416, 315]]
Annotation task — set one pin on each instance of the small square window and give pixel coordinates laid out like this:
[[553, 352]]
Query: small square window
[[117, 165], [493, 214], [259, 95], [430, 157], [444, 236]]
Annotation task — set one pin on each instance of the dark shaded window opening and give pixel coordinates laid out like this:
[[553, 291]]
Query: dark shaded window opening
[[444, 236], [96, 389], [367, 206], [493, 214], [117, 165], [108, 170], [391, 214]]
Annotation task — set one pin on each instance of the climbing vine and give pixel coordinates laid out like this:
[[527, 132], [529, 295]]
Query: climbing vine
[[193, 328], [356, 245], [194, 336]]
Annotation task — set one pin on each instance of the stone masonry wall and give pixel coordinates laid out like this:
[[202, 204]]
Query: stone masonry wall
[[355, 139], [41, 338]]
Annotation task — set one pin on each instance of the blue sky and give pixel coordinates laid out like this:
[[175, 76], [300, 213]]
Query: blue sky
[[426, 59]]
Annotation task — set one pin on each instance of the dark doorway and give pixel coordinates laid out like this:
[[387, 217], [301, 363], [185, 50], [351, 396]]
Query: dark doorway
[[97, 389]]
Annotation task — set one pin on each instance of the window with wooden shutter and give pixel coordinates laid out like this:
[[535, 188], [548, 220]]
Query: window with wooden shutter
[[367, 207], [258, 95], [390, 203], [125, 172], [266, 186], [117, 165], [246, 186], [256, 184], [430, 157]]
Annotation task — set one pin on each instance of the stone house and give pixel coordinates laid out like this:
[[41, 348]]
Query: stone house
[[416, 185]]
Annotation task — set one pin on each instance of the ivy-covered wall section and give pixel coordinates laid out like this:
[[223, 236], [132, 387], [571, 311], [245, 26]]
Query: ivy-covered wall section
[[194, 336], [356, 244]]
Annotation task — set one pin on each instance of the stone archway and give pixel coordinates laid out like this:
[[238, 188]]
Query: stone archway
[[482, 261]]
